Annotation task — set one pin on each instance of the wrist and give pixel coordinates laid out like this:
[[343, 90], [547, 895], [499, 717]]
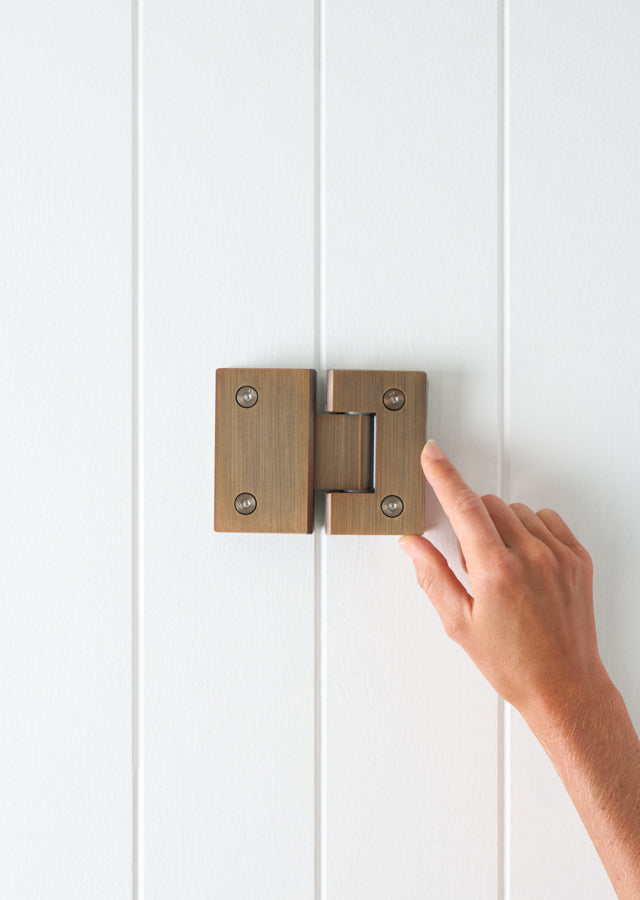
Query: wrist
[[571, 709], [590, 739]]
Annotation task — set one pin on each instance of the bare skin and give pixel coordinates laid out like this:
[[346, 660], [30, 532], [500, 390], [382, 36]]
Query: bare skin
[[529, 627]]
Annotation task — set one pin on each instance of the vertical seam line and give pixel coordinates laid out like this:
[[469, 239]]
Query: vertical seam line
[[504, 718], [320, 356], [137, 569]]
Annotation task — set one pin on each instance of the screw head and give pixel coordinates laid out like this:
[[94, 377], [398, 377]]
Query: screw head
[[246, 396], [393, 399], [245, 504], [392, 506]]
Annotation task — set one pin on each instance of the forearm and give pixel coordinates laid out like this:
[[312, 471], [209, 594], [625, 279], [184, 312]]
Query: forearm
[[592, 743], [529, 626]]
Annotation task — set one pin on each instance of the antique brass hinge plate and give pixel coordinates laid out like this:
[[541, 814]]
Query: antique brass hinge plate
[[273, 451]]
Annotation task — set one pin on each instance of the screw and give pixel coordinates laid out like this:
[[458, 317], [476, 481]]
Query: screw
[[245, 504], [246, 396], [393, 399], [392, 506]]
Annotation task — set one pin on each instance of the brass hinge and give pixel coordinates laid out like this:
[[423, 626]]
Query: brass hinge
[[273, 451]]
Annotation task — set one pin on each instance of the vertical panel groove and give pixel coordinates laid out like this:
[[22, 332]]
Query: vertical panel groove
[[504, 794], [320, 335], [137, 569], [320, 353], [320, 713]]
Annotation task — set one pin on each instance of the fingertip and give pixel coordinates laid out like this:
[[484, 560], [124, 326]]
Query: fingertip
[[431, 460], [431, 450], [408, 544], [419, 549]]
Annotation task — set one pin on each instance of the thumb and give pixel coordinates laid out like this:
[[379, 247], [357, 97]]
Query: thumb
[[450, 598]]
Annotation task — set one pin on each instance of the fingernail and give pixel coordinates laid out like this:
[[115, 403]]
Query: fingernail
[[405, 545], [432, 451]]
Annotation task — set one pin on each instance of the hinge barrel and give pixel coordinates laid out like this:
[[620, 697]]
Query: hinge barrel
[[343, 452]]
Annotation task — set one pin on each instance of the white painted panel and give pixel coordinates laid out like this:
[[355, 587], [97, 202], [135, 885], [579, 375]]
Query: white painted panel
[[65, 450], [575, 321], [411, 777], [228, 618]]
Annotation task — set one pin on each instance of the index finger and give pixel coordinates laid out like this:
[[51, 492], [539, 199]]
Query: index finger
[[465, 510]]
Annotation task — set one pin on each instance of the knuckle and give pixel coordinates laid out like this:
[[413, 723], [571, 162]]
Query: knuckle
[[582, 552], [466, 501], [541, 556], [507, 567], [492, 503], [445, 466], [581, 558], [454, 628], [428, 579], [443, 470]]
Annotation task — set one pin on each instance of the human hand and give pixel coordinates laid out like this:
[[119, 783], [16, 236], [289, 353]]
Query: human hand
[[529, 627], [528, 624]]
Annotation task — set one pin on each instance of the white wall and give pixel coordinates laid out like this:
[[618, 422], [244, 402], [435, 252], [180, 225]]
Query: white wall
[[65, 450], [442, 186]]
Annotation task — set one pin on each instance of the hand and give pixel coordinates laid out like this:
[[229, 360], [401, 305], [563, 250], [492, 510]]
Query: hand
[[529, 627], [528, 624]]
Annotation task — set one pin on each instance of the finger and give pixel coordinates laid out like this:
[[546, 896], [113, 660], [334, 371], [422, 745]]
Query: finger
[[510, 527], [462, 559], [449, 597], [467, 513], [534, 524], [558, 527]]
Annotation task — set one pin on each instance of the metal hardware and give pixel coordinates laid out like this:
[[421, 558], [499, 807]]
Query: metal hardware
[[343, 452], [247, 396], [392, 506], [363, 452], [393, 399], [245, 504]]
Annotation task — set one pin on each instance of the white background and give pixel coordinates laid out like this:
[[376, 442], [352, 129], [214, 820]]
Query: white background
[[443, 186]]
